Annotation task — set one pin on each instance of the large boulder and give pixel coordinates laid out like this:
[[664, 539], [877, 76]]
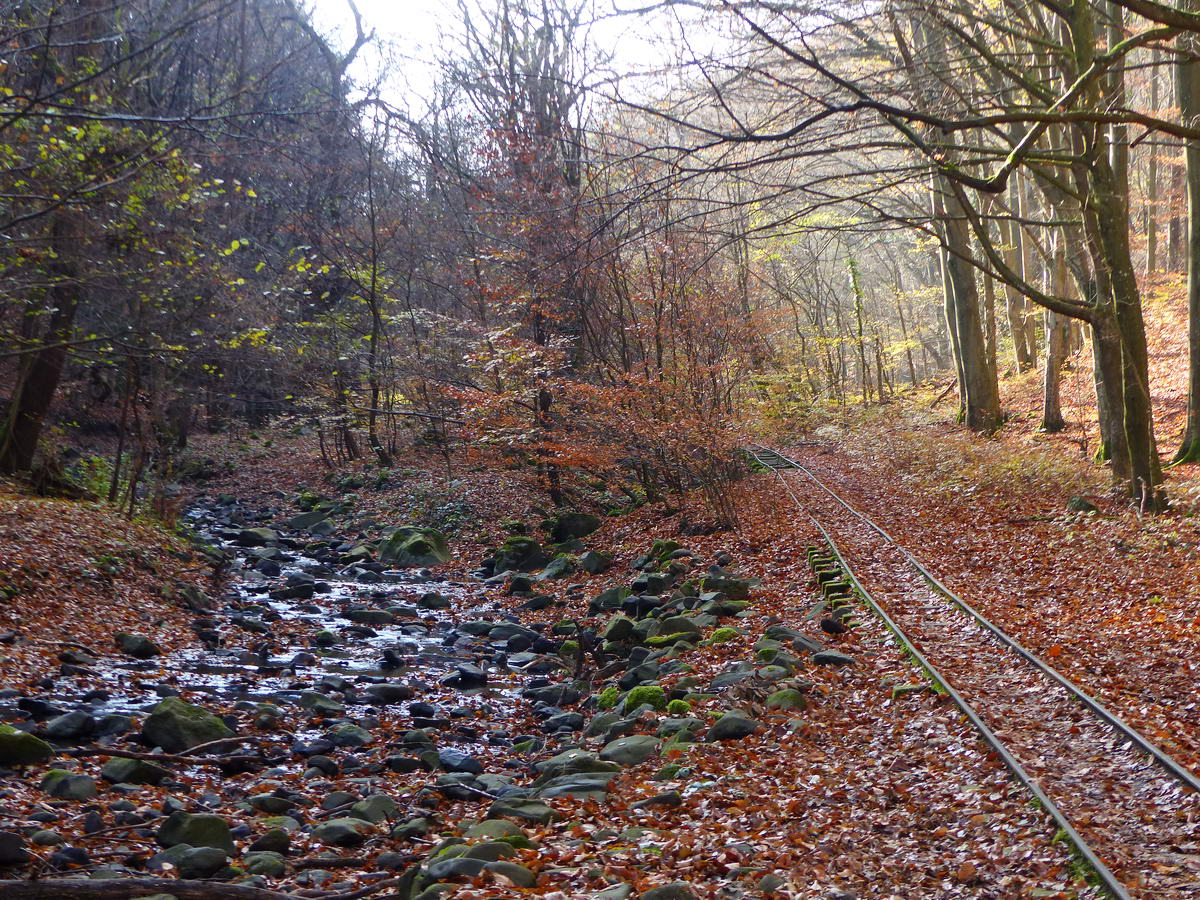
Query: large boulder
[[520, 553], [568, 526], [413, 546], [176, 725], [19, 748]]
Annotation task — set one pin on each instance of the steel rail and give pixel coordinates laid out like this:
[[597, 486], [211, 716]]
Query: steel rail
[[1105, 875], [1176, 769]]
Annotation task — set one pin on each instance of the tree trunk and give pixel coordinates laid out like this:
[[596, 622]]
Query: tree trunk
[[978, 393], [41, 370], [1152, 174], [1056, 353], [1187, 84], [1058, 342]]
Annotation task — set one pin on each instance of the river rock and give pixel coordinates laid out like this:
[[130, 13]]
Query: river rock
[[733, 588], [520, 554], [344, 832], [676, 890], [534, 811], [466, 676], [629, 751], [176, 725], [561, 566], [256, 537], [457, 867], [832, 658], [573, 762], [584, 785], [786, 699], [65, 785], [516, 873], [264, 862], [202, 862], [456, 761], [12, 850], [76, 725], [198, 830], [277, 840], [20, 748], [732, 726], [136, 645], [375, 809], [410, 546], [594, 562], [388, 693]]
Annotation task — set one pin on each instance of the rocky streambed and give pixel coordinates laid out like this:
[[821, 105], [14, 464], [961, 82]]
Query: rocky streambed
[[344, 726]]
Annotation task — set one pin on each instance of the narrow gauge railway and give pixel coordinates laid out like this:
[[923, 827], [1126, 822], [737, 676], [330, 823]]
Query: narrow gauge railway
[[1131, 811]]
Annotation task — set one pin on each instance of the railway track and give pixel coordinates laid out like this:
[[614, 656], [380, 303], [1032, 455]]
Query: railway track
[[1131, 812]]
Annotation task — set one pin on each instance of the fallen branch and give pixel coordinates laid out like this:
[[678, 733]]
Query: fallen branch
[[943, 394], [185, 757], [128, 888]]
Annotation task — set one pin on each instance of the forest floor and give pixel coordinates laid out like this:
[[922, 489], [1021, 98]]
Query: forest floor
[[845, 778], [828, 782]]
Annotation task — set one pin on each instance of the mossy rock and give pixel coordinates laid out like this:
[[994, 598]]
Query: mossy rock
[[608, 697], [520, 553], [561, 566], [19, 748], [619, 629], [176, 725], [788, 698], [665, 640], [733, 588], [412, 546], [724, 635], [643, 694]]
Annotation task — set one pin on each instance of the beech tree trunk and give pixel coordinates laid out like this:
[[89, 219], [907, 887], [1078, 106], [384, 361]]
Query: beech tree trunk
[[41, 369], [1187, 83], [979, 396]]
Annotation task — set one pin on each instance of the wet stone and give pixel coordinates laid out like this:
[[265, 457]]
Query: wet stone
[[456, 761], [77, 725]]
